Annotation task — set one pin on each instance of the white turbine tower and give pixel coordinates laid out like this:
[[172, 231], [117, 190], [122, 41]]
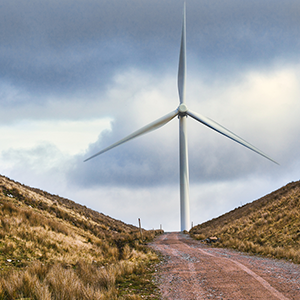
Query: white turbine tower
[[182, 112]]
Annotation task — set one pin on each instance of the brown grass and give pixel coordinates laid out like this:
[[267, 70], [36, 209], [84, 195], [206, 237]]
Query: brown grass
[[53, 248], [268, 226]]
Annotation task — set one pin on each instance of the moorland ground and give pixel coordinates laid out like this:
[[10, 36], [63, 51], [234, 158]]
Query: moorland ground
[[269, 226], [53, 248]]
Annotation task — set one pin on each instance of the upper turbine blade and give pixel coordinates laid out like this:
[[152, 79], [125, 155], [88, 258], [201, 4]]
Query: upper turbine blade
[[182, 61], [150, 127], [219, 128]]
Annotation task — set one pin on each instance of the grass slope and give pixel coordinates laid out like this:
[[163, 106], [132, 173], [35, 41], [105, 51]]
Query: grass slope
[[53, 248], [269, 226]]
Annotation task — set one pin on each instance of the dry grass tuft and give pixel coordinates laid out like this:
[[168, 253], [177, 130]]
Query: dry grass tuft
[[53, 248], [268, 226]]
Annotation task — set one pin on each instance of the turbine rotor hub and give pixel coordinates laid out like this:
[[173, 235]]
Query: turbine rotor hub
[[182, 109]]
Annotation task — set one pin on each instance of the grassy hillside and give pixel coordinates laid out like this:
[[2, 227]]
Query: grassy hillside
[[53, 248], [269, 226]]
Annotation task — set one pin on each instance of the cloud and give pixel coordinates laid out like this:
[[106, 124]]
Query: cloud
[[69, 136], [69, 70], [41, 166], [71, 47], [254, 109]]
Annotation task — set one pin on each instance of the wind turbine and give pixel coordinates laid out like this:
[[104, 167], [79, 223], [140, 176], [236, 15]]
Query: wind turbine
[[183, 112]]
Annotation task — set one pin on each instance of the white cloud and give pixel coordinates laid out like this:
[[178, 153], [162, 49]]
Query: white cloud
[[73, 86], [223, 174], [70, 137], [261, 106]]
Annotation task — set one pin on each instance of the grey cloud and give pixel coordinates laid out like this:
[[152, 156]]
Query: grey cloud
[[60, 60], [152, 161], [72, 46], [60, 46], [145, 161]]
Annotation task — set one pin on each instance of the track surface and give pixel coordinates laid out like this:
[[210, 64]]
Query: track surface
[[192, 270]]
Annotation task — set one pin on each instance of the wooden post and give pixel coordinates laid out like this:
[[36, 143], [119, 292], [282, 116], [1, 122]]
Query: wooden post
[[141, 232]]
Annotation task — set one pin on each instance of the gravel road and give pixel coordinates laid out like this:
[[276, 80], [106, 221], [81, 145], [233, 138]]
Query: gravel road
[[192, 270]]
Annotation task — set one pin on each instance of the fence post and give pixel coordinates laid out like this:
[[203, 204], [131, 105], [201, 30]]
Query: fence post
[[141, 232]]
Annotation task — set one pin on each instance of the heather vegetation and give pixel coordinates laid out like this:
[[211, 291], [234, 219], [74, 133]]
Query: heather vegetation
[[269, 226], [53, 248]]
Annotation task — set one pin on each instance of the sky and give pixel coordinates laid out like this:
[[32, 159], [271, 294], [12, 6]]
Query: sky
[[77, 76]]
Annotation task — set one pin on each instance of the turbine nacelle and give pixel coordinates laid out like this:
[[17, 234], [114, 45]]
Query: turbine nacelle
[[182, 110]]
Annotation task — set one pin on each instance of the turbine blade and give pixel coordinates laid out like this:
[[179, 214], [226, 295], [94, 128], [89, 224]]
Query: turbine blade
[[219, 128], [182, 61], [148, 128]]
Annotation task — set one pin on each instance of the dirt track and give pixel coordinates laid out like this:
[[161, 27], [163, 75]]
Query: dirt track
[[192, 270]]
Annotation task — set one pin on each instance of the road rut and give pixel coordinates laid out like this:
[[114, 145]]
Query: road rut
[[192, 270]]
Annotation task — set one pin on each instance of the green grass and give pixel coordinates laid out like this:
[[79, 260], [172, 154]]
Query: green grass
[[140, 284]]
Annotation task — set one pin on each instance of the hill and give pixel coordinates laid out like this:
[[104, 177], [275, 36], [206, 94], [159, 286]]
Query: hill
[[268, 226], [53, 248]]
